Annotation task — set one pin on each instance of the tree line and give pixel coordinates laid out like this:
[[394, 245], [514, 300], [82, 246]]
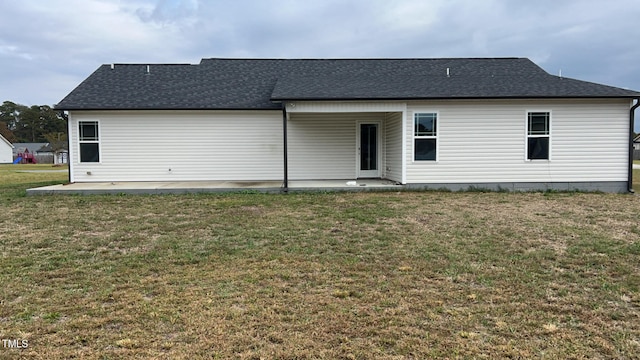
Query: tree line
[[32, 124]]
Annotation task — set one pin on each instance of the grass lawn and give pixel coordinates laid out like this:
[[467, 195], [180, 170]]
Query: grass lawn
[[14, 179], [339, 275]]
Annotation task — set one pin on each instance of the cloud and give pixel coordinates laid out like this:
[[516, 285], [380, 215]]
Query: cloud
[[169, 11], [14, 51]]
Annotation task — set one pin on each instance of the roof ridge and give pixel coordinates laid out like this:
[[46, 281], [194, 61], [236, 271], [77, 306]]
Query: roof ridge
[[313, 59], [370, 58]]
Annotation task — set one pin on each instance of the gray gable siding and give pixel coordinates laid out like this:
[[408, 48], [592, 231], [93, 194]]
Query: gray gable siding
[[229, 84]]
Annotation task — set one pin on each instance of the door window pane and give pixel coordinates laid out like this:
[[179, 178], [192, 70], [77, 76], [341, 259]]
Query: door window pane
[[368, 147]]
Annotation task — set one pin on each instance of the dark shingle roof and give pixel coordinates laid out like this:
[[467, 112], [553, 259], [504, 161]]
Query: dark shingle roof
[[261, 83]]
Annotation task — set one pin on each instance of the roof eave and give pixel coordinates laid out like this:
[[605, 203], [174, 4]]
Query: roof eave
[[453, 98], [278, 100], [169, 109]]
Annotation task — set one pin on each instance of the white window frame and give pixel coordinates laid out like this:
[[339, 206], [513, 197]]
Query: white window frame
[[434, 137], [527, 135], [81, 141]]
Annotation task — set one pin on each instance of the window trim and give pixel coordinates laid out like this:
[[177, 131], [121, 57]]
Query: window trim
[[98, 141], [527, 136], [436, 137]]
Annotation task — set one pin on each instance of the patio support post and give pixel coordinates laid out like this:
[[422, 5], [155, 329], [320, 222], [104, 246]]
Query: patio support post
[[285, 185], [65, 116], [632, 114]]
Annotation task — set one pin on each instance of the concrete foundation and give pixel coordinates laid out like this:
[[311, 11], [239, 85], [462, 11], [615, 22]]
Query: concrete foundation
[[184, 187]]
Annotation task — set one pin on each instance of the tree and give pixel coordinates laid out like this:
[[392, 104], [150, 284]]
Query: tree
[[30, 124], [10, 114]]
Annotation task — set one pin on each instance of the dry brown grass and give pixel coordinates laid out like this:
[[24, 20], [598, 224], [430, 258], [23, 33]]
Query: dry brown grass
[[408, 275]]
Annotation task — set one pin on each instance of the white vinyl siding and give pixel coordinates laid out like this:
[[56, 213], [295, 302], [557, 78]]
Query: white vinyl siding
[[482, 141], [478, 142], [6, 151], [392, 169], [323, 145], [182, 146]]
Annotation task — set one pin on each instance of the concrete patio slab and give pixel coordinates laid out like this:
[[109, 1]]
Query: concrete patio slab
[[183, 187]]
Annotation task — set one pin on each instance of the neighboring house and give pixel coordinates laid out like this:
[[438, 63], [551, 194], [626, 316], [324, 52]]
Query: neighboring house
[[20, 148], [456, 123], [59, 157], [42, 151], [6, 151], [636, 142]]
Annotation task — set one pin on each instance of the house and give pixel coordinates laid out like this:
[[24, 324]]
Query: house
[[6, 151], [636, 142], [23, 147], [43, 152], [27, 151], [423, 123], [60, 156]]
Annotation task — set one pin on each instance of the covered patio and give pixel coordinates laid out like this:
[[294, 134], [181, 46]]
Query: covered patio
[[335, 140]]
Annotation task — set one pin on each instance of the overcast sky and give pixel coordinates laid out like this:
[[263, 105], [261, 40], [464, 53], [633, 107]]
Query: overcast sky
[[47, 47]]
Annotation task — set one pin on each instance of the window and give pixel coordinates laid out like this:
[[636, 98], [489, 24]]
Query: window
[[89, 140], [538, 125], [425, 136]]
